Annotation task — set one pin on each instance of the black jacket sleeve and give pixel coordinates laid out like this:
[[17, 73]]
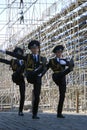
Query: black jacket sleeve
[[5, 61], [46, 67], [15, 55]]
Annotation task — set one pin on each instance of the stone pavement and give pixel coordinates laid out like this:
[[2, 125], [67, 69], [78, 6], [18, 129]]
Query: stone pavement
[[47, 121]]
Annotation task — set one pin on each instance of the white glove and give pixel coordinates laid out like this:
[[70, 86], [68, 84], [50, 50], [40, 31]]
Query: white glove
[[3, 51], [62, 62], [21, 62], [40, 74]]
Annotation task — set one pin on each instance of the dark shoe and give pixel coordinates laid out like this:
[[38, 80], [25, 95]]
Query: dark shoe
[[20, 114], [35, 117], [71, 64], [60, 116]]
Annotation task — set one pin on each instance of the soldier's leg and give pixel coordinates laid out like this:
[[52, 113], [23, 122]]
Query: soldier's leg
[[69, 69], [36, 98], [62, 73], [62, 90], [22, 97], [66, 71]]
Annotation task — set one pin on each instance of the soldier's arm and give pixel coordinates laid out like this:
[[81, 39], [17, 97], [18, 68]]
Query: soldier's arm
[[15, 55], [44, 71], [45, 68], [5, 61], [70, 62], [64, 62], [21, 68], [48, 65]]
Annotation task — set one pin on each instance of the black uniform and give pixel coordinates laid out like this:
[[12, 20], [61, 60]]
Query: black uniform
[[34, 74], [18, 78], [34, 70], [59, 76]]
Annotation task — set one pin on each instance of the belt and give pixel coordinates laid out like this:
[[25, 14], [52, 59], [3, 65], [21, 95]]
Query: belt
[[14, 70], [57, 71], [30, 69]]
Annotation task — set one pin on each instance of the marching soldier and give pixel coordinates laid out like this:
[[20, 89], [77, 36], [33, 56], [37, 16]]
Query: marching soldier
[[17, 76], [58, 64], [34, 70]]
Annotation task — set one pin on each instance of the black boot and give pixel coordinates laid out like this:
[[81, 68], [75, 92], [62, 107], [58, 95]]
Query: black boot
[[35, 117], [20, 114], [60, 116]]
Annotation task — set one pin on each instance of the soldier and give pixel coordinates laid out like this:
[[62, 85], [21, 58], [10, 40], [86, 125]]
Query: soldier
[[34, 70], [58, 64], [17, 76], [21, 4], [21, 16]]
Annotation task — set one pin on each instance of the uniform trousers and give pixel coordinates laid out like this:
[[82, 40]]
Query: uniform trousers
[[36, 81], [60, 80], [18, 79], [22, 95], [36, 95]]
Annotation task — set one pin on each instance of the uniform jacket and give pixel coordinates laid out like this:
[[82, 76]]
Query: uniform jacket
[[56, 66]]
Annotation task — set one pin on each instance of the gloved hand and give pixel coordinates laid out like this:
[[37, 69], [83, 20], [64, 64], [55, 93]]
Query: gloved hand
[[3, 51], [40, 75]]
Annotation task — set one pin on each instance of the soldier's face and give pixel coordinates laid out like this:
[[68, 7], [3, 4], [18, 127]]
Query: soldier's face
[[20, 53], [35, 50], [58, 54]]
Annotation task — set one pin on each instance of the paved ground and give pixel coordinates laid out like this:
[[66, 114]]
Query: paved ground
[[47, 121]]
